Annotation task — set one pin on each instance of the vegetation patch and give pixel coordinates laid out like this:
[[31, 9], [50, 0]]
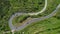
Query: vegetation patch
[[19, 20], [27, 5]]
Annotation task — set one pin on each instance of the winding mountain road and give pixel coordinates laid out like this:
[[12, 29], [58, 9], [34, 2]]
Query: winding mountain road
[[13, 28]]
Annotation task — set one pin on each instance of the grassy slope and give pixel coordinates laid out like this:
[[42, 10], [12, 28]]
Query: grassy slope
[[43, 26]]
